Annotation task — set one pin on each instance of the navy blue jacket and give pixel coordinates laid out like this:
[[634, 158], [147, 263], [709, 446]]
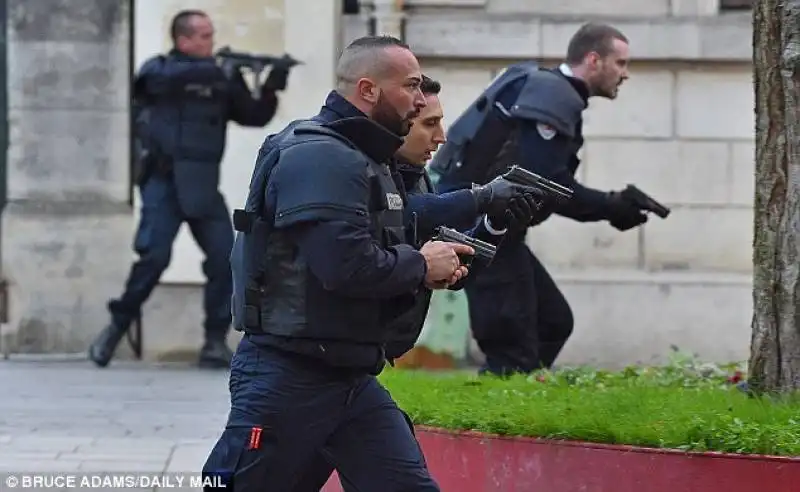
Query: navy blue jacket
[[456, 209], [242, 108], [556, 159], [183, 105], [553, 158]]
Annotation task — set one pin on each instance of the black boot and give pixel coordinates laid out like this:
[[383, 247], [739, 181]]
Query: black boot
[[215, 354], [102, 349]]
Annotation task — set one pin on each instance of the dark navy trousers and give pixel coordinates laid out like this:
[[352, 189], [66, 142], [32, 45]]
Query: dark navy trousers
[[293, 419], [160, 221], [518, 315]]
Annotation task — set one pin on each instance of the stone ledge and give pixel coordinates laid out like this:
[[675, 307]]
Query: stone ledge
[[628, 276], [725, 38], [89, 204]]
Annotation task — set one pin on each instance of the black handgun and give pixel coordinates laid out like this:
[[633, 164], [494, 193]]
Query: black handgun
[[483, 250], [644, 201], [550, 189]]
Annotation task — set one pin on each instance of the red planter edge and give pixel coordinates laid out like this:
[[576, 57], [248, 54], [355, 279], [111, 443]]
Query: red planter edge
[[469, 461]]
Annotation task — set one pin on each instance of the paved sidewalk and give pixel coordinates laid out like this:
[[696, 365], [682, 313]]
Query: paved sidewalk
[[130, 417]]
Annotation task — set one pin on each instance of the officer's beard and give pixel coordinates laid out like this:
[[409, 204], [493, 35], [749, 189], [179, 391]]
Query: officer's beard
[[386, 115], [605, 86]]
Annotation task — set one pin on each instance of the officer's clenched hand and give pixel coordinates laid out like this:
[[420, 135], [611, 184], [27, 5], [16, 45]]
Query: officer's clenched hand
[[624, 214], [493, 197], [278, 78], [520, 212], [444, 267]]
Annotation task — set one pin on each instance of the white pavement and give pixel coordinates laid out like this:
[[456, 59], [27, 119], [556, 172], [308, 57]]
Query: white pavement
[[130, 417]]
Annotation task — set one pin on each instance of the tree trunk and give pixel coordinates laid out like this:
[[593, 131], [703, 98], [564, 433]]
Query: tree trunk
[[775, 349]]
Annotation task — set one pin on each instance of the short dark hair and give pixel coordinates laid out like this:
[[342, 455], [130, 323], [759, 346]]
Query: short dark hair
[[363, 57], [382, 41], [592, 37], [181, 23], [430, 87]]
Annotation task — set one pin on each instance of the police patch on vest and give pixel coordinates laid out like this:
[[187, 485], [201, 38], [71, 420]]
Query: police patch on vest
[[200, 90], [546, 131], [394, 201]]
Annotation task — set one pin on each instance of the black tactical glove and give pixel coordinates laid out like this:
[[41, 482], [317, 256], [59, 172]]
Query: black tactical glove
[[278, 77], [493, 197], [623, 213], [519, 214]]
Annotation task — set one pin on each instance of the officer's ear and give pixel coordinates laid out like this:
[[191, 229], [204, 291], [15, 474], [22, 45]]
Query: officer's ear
[[593, 60], [368, 90]]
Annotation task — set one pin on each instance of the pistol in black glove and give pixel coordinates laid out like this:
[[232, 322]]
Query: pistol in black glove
[[493, 198], [624, 213]]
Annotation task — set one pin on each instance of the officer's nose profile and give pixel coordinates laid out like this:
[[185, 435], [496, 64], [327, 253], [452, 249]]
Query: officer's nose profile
[[439, 137]]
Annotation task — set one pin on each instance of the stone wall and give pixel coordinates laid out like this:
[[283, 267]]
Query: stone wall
[[66, 229], [681, 132], [681, 129]]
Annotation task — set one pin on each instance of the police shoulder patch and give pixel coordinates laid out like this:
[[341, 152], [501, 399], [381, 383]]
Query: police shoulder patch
[[394, 201], [547, 132]]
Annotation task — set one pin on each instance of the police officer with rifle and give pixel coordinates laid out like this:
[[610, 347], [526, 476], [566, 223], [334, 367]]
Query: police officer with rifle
[[183, 103], [532, 117]]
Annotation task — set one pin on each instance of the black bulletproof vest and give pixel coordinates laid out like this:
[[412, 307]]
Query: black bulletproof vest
[[284, 298], [188, 109]]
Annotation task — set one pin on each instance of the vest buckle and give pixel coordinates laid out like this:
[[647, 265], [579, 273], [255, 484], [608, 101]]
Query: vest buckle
[[243, 220], [252, 309]]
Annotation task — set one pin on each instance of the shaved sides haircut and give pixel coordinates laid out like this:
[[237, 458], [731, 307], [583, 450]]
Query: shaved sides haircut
[[364, 58], [593, 37], [182, 23]]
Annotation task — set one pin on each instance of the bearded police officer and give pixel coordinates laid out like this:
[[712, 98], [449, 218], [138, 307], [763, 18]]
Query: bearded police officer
[[532, 117], [184, 101], [322, 266], [485, 204]]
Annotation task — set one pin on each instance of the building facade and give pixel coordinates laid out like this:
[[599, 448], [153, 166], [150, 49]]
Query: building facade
[[682, 129]]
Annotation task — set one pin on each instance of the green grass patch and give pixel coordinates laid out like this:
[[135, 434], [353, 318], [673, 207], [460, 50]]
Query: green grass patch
[[672, 407]]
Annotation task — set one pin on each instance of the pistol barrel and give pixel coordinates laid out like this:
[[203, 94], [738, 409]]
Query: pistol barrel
[[646, 202], [523, 177]]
